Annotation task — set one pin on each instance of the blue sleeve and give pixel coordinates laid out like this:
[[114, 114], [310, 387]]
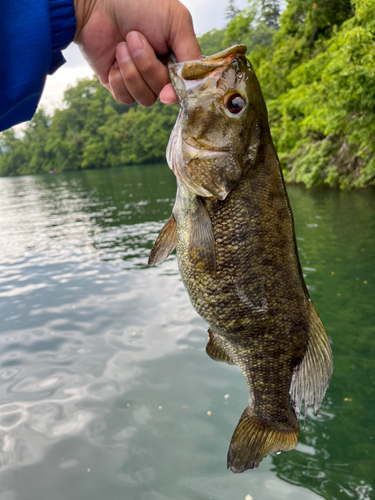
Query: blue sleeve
[[32, 35]]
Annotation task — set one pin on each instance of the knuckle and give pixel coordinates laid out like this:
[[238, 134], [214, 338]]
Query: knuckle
[[117, 92], [127, 100], [131, 77], [115, 78], [145, 64], [121, 95], [148, 101], [116, 96]]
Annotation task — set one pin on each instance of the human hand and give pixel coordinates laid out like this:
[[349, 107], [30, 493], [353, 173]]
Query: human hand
[[122, 40]]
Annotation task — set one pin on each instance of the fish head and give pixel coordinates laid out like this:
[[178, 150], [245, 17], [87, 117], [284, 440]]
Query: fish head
[[219, 126]]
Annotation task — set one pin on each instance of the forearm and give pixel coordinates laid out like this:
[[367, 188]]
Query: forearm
[[33, 33]]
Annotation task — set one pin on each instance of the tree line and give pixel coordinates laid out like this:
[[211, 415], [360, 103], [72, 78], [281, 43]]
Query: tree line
[[316, 65]]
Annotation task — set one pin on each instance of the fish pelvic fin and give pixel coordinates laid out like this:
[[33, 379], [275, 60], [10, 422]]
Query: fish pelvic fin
[[216, 351], [165, 243], [255, 438], [312, 376], [202, 242]]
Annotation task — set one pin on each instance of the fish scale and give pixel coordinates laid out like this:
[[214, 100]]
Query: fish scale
[[234, 234]]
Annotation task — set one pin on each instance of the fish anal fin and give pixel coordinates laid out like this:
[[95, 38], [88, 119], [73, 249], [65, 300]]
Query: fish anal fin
[[216, 351], [254, 439], [165, 243], [312, 376], [201, 241]]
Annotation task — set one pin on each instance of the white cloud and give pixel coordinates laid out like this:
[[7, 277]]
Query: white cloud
[[209, 14], [56, 85], [76, 67]]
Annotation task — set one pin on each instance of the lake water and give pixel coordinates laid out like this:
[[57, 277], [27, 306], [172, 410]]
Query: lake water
[[104, 381]]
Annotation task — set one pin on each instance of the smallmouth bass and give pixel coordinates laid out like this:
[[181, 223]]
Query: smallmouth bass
[[233, 230]]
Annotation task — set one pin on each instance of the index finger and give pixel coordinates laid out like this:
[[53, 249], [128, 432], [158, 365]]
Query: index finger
[[184, 44], [183, 41]]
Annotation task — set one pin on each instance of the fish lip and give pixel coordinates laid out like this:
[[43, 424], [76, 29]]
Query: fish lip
[[174, 70], [195, 153], [201, 153], [238, 49], [195, 145]]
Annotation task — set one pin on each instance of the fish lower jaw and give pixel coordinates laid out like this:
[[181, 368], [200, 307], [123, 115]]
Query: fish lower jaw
[[198, 153]]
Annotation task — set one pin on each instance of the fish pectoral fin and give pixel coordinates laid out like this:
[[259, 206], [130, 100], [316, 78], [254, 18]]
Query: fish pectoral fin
[[215, 351], [165, 243], [312, 376], [201, 241], [255, 438]]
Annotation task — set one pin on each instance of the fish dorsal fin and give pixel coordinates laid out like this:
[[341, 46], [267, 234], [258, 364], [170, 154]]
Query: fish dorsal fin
[[201, 239], [215, 351], [165, 243], [312, 376]]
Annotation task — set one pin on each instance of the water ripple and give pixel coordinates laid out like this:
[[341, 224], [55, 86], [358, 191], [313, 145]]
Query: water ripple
[[104, 380]]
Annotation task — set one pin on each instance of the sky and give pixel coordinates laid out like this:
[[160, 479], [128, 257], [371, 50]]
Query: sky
[[207, 14]]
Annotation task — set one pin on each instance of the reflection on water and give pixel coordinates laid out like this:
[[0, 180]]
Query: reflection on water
[[105, 384]]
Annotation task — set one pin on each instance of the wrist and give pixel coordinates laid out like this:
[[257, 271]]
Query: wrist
[[83, 9]]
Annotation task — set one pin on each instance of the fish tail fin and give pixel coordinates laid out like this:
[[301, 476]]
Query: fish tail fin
[[254, 439], [312, 376]]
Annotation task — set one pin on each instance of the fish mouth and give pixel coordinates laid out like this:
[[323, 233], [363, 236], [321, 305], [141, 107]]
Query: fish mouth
[[202, 154], [196, 70], [194, 150], [183, 73]]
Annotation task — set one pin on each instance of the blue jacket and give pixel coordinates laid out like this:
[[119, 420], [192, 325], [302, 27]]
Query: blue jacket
[[32, 35]]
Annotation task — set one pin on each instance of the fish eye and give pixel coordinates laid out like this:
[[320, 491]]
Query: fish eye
[[235, 104]]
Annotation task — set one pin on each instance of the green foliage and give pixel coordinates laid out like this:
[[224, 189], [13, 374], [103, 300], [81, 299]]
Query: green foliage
[[316, 66], [231, 10], [270, 13], [93, 131], [212, 42], [26, 156], [241, 26], [317, 73], [324, 123], [313, 20], [253, 26]]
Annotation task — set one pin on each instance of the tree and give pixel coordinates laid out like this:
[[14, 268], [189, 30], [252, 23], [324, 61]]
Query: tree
[[324, 124], [270, 13], [231, 11], [212, 41], [241, 26]]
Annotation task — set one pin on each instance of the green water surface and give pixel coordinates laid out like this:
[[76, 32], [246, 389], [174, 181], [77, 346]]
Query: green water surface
[[104, 381]]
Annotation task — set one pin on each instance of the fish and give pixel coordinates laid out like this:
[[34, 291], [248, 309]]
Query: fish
[[233, 230]]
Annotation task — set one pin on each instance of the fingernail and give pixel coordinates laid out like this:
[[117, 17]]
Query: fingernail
[[122, 52], [135, 43], [169, 101], [168, 95], [115, 64]]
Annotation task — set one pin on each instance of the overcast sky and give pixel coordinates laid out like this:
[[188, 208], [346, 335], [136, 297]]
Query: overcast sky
[[207, 14]]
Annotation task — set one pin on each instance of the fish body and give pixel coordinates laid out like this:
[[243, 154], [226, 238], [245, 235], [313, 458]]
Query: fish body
[[234, 234]]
